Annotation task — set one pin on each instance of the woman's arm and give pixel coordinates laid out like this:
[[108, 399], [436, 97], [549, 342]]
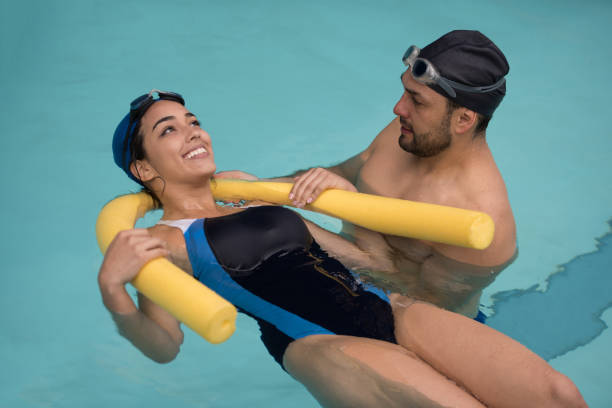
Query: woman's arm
[[149, 328]]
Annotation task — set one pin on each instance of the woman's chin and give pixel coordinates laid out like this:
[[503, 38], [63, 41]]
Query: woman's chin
[[207, 171]]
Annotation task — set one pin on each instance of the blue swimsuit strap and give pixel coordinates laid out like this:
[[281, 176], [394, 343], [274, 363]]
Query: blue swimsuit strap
[[207, 270]]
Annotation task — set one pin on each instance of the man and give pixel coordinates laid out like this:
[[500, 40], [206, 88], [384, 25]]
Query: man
[[434, 151]]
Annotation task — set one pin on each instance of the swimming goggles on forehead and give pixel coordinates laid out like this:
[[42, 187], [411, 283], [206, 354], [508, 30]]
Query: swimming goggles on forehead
[[140, 105], [424, 71]]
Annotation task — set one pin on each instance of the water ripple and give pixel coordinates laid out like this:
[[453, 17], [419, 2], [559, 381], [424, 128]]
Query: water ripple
[[568, 313]]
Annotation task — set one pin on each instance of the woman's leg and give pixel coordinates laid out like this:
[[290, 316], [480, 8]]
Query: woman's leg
[[343, 371], [496, 369]]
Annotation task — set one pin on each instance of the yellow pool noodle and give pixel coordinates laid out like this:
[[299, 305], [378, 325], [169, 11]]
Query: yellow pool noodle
[[192, 303], [430, 222]]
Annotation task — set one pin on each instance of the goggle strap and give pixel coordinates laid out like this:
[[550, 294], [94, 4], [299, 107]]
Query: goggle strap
[[474, 89], [447, 85]]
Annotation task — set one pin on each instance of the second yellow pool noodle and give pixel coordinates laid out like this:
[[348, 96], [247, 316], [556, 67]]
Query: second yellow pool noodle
[[192, 303], [430, 222]]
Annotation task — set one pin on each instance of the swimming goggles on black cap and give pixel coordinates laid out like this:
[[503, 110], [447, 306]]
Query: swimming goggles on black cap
[[140, 105], [423, 71]]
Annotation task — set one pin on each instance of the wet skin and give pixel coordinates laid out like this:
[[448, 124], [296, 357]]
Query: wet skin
[[426, 154]]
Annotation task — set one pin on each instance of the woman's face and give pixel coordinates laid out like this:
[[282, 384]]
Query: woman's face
[[177, 149]]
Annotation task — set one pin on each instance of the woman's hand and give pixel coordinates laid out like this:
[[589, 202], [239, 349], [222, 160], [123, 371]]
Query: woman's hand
[[308, 186], [126, 255]]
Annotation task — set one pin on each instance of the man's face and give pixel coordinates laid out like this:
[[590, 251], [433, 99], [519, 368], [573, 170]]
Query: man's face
[[424, 118]]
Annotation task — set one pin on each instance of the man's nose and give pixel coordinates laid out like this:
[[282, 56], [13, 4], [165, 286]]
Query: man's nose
[[401, 107]]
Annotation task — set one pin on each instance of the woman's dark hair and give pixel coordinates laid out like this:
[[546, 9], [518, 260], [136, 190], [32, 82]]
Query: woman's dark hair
[[138, 153]]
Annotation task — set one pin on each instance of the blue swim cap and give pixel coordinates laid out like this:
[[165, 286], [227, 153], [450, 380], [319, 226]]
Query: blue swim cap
[[122, 139], [122, 149]]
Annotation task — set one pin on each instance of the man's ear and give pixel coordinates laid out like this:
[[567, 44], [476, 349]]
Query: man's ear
[[142, 170], [464, 120]]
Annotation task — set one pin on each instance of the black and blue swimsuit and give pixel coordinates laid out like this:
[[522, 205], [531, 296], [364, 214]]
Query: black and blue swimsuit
[[265, 262]]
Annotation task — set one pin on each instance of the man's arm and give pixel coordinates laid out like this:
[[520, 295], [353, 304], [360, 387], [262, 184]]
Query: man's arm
[[309, 183], [344, 175], [373, 257], [451, 284], [348, 169]]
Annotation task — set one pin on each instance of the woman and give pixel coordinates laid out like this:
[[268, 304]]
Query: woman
[[349, 345]]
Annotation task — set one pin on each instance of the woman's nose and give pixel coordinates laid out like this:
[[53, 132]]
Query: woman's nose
[[199, 134], [195, 134]]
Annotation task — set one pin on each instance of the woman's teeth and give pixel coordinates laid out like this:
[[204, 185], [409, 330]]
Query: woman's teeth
[[192, 153]]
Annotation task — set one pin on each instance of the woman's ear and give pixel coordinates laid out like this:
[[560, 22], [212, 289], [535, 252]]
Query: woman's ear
[[142, 170]]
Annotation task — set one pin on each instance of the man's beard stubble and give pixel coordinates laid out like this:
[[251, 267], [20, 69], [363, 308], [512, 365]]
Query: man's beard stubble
[[428, 144]]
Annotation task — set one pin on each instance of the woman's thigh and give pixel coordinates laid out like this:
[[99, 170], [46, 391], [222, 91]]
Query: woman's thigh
[[492, 366], [343, 371]]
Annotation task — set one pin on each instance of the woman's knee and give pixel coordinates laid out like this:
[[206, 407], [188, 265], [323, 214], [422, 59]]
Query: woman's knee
[[564, 393], [319, 363], [344, 371], [312, 350], [307, 355]]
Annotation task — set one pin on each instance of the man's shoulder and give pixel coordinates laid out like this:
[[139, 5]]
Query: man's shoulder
[[478, 186], [483, 188], [488, 196], [386, 141]]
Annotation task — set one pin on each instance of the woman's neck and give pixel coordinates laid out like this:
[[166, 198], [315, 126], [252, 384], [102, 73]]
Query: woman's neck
[[188, 201]]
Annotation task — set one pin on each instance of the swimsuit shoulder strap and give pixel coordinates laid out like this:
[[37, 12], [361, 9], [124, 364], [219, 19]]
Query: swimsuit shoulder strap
[[183, 224]]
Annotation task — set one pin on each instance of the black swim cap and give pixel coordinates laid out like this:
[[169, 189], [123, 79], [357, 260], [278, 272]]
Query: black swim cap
[[470, 58]]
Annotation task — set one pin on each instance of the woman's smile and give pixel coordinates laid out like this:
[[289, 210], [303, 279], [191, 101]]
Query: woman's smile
[[199, 152]]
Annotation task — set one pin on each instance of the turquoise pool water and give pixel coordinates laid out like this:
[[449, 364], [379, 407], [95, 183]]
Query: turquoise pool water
[[283, 86]]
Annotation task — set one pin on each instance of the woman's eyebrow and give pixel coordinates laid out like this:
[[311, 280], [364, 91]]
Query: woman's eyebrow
[[165, 118]]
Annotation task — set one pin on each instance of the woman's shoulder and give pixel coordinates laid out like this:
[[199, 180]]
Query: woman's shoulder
[[171, 235], [175, 244]]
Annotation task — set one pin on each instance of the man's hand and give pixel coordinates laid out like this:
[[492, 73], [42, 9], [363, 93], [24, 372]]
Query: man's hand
[[308, 186]]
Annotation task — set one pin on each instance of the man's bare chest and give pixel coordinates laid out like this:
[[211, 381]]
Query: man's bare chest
[[390, 179]]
